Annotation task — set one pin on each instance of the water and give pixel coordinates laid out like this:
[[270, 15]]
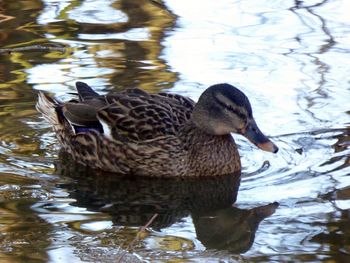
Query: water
[[290, 57]]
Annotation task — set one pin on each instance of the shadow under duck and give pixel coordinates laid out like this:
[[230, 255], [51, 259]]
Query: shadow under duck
[[160, 135]]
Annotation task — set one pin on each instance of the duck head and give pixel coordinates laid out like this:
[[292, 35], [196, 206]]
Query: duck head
[[224, 109]]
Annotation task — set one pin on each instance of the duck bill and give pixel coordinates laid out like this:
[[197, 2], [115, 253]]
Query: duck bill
[[255, 136]]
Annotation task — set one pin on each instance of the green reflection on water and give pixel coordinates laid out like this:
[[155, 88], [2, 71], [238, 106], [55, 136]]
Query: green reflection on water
[[24, 235]]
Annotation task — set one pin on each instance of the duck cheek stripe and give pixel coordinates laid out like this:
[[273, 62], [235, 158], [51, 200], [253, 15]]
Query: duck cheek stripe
[[230, 108]]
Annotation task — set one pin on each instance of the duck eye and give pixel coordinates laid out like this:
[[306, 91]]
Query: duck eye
[[229, 107]]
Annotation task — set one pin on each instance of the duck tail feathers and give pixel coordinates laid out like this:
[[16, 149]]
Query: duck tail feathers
[[47, 106]]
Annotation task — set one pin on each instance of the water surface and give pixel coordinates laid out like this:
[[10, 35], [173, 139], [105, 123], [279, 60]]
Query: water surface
[[290, 57]]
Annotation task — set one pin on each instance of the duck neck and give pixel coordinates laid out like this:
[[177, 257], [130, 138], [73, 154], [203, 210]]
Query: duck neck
[[208, 154], [192, 134]]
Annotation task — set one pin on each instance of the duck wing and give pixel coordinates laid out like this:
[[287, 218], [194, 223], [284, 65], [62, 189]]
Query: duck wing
[[81, 114], [182, 106], [132, 114], [140, 116]]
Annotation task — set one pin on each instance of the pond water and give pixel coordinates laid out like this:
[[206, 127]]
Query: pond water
[[292, 59]]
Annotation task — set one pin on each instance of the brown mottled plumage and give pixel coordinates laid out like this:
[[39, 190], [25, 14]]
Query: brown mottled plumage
[[164, 135]]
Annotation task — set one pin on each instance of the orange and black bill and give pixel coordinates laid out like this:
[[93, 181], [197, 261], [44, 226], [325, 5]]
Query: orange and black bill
[[255, 136]]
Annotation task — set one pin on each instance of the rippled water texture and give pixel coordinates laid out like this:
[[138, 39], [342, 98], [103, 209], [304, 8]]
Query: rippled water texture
[[292, 59]]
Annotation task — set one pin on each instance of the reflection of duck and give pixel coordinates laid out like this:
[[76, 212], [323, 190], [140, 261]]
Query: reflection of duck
[[134, 132], [231, 228], [131, 201]]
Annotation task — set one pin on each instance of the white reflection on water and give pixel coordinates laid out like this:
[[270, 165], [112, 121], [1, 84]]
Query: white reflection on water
[[52, 11], [91, 11], [271, 52], [137, 34], [97, 12]]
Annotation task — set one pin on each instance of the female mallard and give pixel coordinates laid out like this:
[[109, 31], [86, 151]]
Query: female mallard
[[164, 135]]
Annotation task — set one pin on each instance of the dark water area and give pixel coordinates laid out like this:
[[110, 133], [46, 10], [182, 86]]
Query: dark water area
[[291, 58]]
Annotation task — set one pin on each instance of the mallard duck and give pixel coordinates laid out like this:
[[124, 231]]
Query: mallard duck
[[163, 135]]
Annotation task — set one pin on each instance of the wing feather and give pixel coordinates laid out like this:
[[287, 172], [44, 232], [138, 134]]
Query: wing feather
[[130, 115]]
